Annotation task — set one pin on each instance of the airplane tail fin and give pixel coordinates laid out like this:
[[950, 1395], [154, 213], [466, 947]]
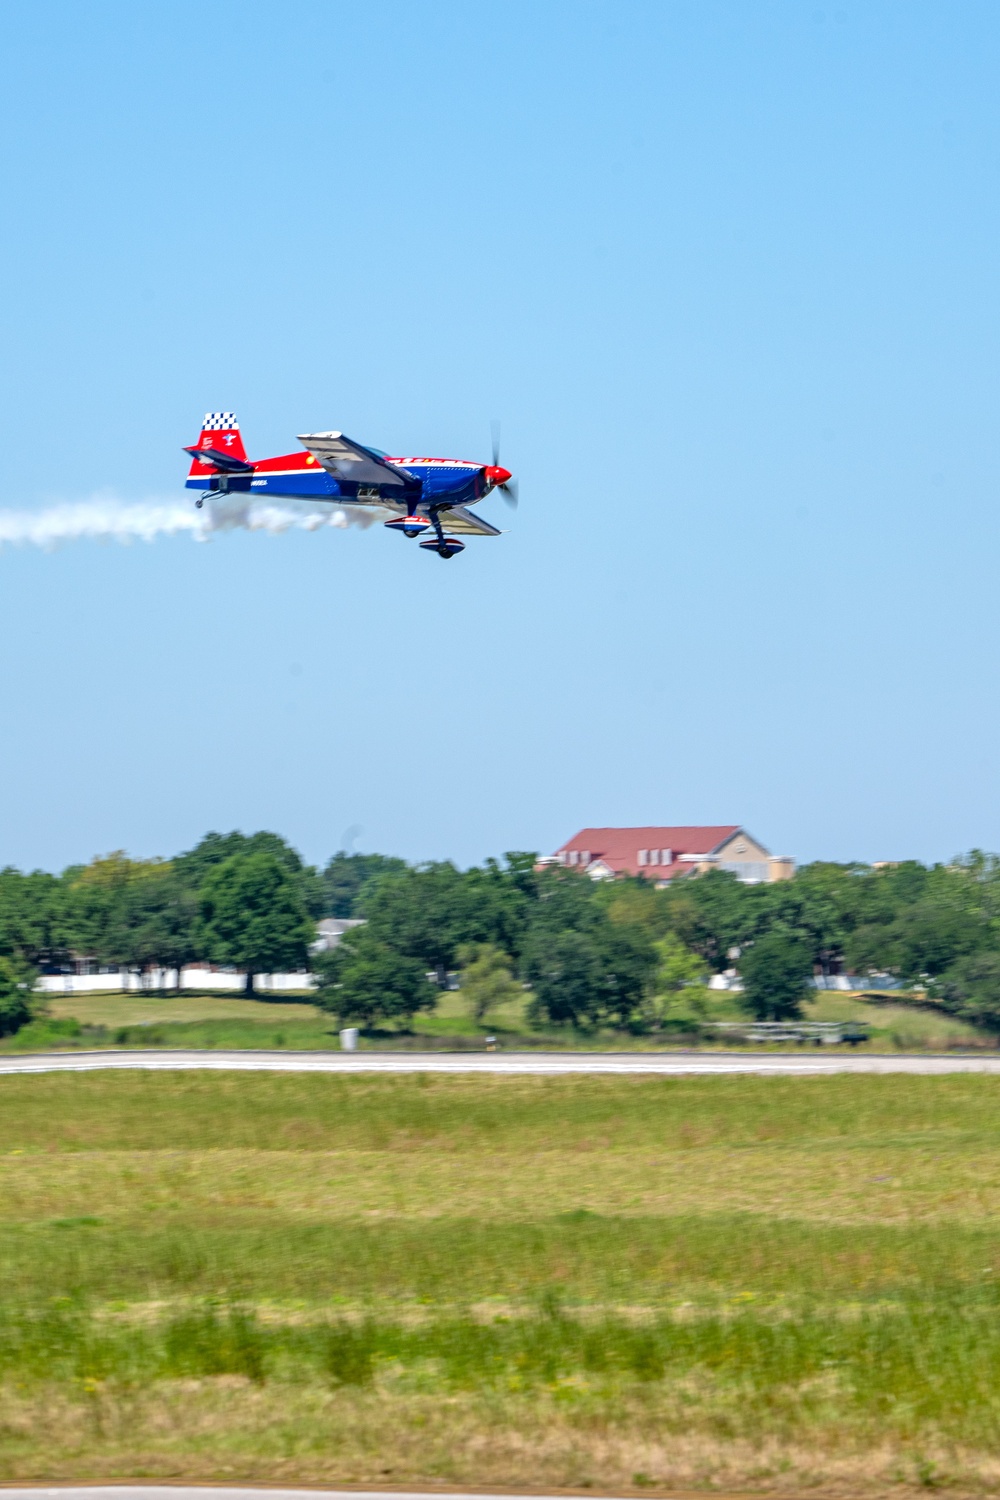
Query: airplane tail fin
[[220, 432]]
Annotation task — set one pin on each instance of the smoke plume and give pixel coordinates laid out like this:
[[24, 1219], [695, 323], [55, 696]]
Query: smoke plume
[[106, 519]]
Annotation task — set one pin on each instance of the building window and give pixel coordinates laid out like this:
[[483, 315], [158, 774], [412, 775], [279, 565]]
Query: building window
[[585, 856], [573, 856], [666, 856], [643, 856]]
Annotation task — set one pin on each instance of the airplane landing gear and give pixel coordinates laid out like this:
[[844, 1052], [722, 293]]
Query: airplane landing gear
[[444, 546], [448, 546], [410, 526]]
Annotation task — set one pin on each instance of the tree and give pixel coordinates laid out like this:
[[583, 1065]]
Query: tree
[[971, 989], [161, 913], [584, 967], [711, 914], [215, 848], [677, 966], [925, 938], [253, 915], [133, 913], [33, 916], [627, 958], [487, 981], [679, 992], [429, 912], [776, 973], [15, 998], [564, 970], [346, 877], [364, 979], [636, 902]]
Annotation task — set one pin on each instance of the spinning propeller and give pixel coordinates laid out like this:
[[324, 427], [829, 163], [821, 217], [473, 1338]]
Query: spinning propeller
[[502, 478]]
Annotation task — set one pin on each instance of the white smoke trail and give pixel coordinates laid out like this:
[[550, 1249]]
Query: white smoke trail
[[107, 519]]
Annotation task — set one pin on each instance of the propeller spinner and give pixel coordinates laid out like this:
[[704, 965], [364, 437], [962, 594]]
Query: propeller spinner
[[500, 478]]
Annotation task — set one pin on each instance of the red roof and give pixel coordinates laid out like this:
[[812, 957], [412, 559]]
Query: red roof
[[619, 848]]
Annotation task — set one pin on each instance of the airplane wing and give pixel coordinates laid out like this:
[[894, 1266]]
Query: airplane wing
[[456, 518], [345, 459]]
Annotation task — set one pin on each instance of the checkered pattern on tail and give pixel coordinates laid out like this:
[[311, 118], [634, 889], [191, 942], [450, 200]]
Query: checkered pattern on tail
[[220, 430]]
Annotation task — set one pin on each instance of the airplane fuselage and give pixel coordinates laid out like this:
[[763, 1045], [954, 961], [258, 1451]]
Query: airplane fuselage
[[448, 481]]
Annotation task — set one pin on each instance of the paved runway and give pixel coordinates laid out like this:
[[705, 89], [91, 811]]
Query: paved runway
[[787, 1063]]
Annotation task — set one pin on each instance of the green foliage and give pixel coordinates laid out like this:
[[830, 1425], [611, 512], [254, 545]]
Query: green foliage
[[587, 948], [134, 913], [776, 973], [564, 971], [215, 848], [634, 902], [584, 968], [971, 989], [429, 912], [15, 997], [34, 925], [487, 981], [364, 979], [253, 915], [677, 966], [346, 877]]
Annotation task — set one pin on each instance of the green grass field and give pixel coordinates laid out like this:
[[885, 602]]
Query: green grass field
[[205, 1021], [615, 1284]]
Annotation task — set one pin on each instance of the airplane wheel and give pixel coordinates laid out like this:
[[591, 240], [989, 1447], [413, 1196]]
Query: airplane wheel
[[448, 548]]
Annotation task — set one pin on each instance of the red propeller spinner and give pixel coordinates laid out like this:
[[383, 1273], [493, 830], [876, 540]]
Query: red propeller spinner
[[502, 479]]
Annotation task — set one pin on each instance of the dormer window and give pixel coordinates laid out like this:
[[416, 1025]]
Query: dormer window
[[585, 856], [666, 856], [643, 857]]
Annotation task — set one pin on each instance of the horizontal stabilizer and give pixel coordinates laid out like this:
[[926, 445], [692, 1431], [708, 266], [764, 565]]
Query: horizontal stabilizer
[[220, 460]]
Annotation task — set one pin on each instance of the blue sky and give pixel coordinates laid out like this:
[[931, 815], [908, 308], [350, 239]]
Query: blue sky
[[728, 274]]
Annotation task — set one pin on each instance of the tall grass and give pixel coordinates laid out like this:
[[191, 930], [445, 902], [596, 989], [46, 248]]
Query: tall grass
[[594, 1260], [908, 1369]]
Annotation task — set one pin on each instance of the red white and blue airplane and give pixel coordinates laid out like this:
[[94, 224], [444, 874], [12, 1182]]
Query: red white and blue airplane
[[418, 491]]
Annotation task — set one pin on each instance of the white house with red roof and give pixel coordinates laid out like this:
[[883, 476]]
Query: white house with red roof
[[664, 854]]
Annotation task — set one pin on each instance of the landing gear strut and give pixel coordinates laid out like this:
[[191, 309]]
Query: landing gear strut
[[444, 546], [217, 485]]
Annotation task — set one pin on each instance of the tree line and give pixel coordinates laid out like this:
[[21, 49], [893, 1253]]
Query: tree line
[[617, 953], [579, 952], [246, 901]]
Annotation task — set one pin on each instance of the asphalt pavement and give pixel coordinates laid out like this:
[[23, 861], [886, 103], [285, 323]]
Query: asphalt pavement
[[818, 1061]]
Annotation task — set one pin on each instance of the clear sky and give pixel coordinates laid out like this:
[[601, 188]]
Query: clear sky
[[727, 271]]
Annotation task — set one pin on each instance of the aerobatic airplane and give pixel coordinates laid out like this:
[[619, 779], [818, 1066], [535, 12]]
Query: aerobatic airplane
[[420, 492]]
